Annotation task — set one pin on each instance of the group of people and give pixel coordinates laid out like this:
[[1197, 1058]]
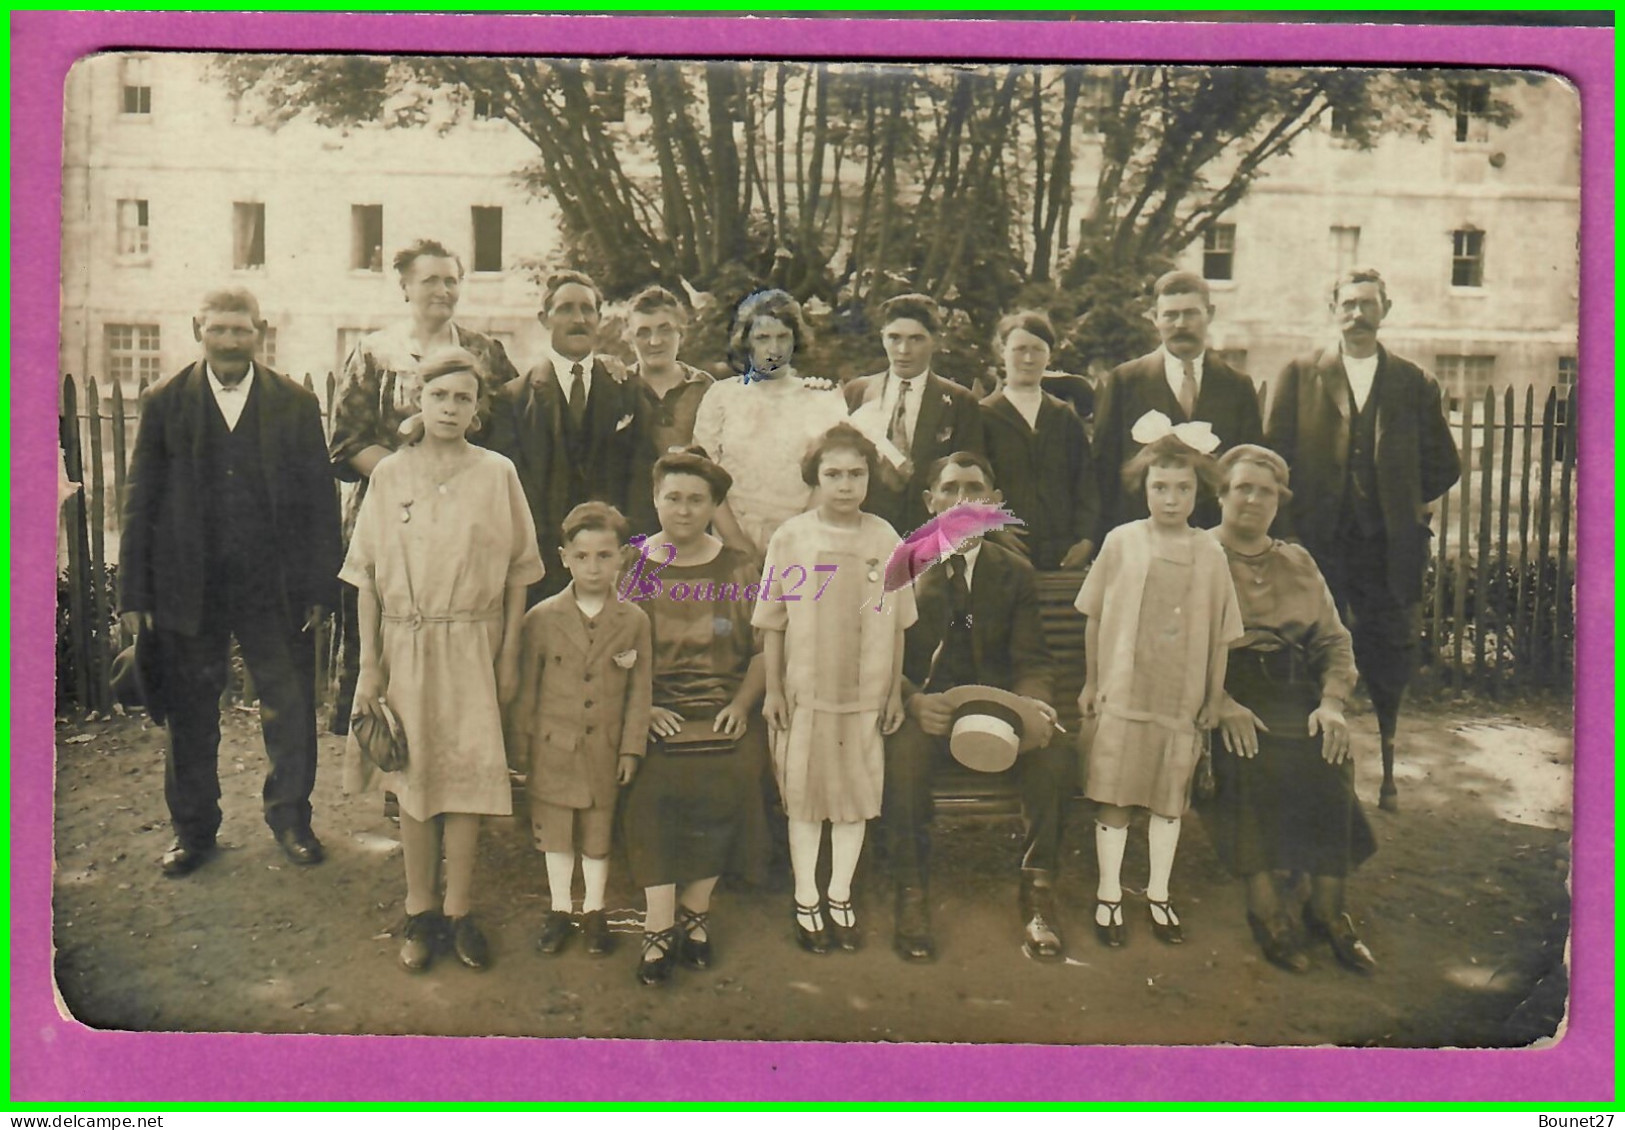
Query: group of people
[[583, 574]]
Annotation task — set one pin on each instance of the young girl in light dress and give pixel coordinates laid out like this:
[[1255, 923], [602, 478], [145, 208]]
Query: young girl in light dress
[[834, 650], [1162, 612]]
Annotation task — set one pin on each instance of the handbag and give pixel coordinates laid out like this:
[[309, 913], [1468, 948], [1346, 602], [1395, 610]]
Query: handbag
[[381, 737], [697, 737]]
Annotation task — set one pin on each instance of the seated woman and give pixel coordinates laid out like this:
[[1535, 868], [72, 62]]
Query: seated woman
[[690, 815], [1038, 449], [756, 425], [1285, 778]]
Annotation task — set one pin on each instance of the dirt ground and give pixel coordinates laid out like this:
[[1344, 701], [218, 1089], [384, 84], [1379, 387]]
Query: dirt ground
[[1465, 906]]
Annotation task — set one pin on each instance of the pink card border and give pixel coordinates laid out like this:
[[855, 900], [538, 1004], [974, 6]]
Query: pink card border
[[62, 1061]]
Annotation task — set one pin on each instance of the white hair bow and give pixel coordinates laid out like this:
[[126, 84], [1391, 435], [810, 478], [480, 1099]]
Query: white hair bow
[[1196, 435]]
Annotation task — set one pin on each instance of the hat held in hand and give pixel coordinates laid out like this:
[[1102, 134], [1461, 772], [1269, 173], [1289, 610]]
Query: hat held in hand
[[992, 726]]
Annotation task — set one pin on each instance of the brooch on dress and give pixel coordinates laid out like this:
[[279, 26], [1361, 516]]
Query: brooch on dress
[[406, 510]]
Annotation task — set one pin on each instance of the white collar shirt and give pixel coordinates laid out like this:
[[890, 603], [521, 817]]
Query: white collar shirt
[[1362, 374], [911, 405], [231, 401], [562, 367], [1174, 370]]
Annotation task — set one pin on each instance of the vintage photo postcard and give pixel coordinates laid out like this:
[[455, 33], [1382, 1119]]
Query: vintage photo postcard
[[1071, 547]]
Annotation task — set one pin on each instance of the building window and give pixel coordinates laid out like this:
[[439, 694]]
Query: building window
[[488, 105], [133, 242], [247, 236], [1472, 104], [132, 354], [1568, 372], [1467, 257], [136, 84], [1345, 248], [267, 354], [1464, 374], [487, 239], [366, 237], [1219, 252]]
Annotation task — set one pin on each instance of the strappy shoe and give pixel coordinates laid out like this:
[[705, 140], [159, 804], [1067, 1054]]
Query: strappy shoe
[[1279, 942], [815, 940], [696, 953], [1111, 932], [845, 934], [665, 944], [1346, 945], [1165, 923]]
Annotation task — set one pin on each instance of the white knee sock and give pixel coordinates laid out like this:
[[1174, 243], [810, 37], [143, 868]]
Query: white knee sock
[[1162, 840], [561, 872], [804, 841], [594, 877], [845, 845], [1109, 846]]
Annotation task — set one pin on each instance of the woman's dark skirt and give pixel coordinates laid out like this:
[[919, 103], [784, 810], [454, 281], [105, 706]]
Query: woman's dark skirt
[[1285, 809], [691, 816]]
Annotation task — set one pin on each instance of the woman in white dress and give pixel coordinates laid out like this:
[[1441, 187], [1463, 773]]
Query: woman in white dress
[[758, 425]]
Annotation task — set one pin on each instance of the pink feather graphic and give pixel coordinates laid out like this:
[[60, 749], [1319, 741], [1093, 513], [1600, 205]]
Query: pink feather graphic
[[940, 537]]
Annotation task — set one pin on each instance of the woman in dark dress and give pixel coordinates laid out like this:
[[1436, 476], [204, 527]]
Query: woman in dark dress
[[1038, 449], [1285, 778], [692, 814]]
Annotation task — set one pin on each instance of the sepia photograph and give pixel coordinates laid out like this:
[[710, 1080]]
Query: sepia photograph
[[660, 548]]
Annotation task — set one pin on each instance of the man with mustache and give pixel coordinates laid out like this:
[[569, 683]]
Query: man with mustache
[[576, 430], [231, 528], [1184, 381], [1365, 435]]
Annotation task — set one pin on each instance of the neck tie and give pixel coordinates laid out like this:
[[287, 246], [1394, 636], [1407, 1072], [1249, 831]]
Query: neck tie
[[958, 592], [898, 431], [578, 394], [1187, 389]]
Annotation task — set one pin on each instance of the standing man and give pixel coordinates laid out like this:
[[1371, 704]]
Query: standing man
[[231, 528], [978, 625], [923, 415], [575, 430], [1365, 435], [1183, 380]]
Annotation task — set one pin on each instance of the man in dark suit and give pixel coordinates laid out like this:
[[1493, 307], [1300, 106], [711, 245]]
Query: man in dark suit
[[576, 429], [1365, 436], [978, 624], [923, 415], [231, 528], [1183, 380]]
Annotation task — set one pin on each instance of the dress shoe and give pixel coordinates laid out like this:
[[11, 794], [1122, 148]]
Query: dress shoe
[[1350, 951], [183, 858], [418, 939], [1040, 935], [468, 943], [912, 940], [843, 924], [300, 845], [1280, 943], [1165, 923], [814, 938], [659, 956], [1111, 932], [555, 932], [595, 933], [696, 953]]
